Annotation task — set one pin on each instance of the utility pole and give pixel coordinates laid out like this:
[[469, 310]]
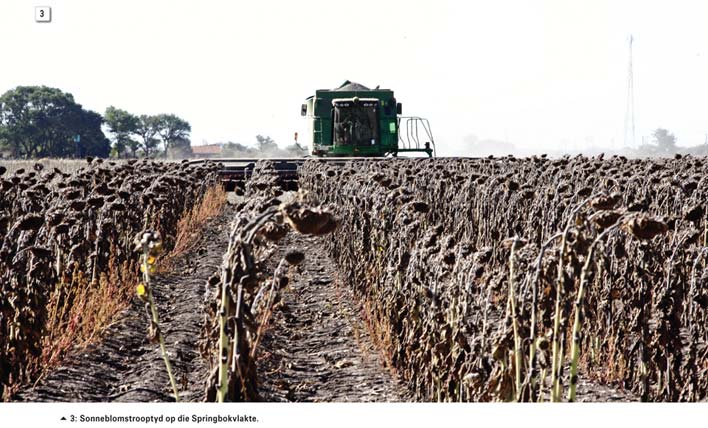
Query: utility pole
[[629, 113]]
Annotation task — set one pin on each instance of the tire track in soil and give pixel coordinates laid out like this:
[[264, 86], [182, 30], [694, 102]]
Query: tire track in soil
[[318, 347], [124, 366]]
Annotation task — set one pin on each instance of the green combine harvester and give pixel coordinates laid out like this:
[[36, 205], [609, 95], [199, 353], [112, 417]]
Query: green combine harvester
[[355, 121], [345, 124]]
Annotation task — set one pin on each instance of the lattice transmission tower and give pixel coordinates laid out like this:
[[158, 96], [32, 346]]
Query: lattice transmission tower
[[629, 132]]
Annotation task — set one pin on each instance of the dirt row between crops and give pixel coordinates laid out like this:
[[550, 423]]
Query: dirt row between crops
[[319, 347], [125, 366]]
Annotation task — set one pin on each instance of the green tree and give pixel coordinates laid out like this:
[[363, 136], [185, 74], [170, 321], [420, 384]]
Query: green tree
[[121, 125], [266, 144], [89, 139], [180, 148], [38, 121], [173, 130], [133, 146], [665, 141], [235, 150], [147, 130]]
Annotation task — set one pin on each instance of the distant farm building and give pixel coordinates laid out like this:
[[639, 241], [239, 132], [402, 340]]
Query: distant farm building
[[207, 151]]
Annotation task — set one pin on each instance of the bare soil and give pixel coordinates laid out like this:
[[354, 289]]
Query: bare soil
[[319, 347]]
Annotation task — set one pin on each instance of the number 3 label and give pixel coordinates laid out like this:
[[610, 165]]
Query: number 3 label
[[43, 14]]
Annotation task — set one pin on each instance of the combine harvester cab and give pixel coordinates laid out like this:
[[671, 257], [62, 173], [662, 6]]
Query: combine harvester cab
[[355, 121], [348, 123]]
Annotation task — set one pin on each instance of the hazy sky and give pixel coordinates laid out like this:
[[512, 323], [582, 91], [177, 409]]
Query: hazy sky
[[542, 74]]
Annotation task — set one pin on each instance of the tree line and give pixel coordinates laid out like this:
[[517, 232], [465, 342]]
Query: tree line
[[147, 135], [39, 121], [265, 147]]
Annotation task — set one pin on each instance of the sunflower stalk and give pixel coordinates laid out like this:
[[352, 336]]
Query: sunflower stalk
[[557, 356], [224, 342], [230, 350], [150, 247], [555, 382], [577, 321], [692, 290], [512, 307]]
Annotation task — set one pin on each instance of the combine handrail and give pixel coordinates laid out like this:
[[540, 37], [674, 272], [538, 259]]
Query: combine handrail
[[412, 133]]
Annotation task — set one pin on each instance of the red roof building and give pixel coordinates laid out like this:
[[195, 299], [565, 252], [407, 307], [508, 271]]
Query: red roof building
[[207, 151]]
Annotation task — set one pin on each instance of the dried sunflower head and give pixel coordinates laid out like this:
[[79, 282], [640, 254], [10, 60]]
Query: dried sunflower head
[[605, 202], [693, 213], [542, 343], [420, 206], [40, 252], [644, 227], [55, 218], [509, 242], [273, 231], [77, 205], [605, 219], [30, 222], [294, 257], [584, 192], [96, 202], [309, 221]]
